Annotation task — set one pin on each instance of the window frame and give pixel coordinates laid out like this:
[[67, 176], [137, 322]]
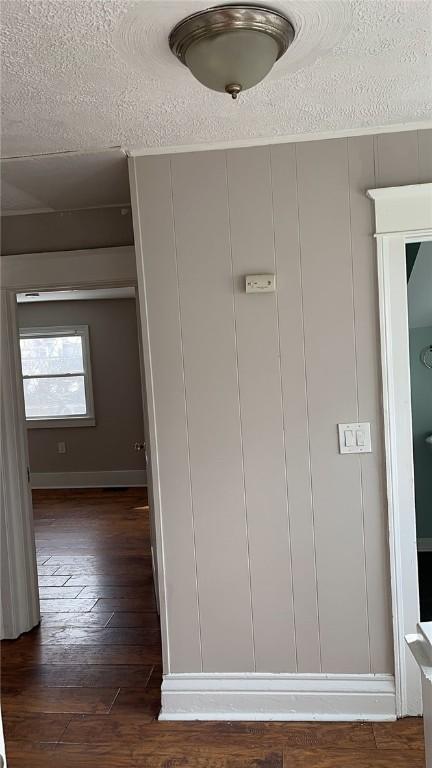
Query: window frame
[[86, 420]]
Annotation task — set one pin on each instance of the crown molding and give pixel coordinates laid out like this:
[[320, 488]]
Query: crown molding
[[284, 139]]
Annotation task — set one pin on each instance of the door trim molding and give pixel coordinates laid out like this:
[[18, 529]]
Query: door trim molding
[[402, 214], [278, 697], [19, 585], [63, 270]]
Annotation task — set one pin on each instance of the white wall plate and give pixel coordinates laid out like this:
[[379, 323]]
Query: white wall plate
[[355, 438]]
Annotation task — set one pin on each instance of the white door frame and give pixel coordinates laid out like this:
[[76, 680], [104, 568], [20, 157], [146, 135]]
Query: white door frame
[[62, 270], [19, 582], [402, 214]]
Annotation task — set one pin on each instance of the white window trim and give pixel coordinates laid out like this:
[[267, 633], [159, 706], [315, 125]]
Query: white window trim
[[88, 420]]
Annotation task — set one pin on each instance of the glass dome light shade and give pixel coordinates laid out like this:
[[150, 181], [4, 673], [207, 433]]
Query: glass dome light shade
[[242, 57], [231, 47]]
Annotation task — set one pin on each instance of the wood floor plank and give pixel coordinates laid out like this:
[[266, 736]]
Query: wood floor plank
[[79, 654], [52, 581], [88, 619], [123, 619], [119, 569], [41, 559], [163, 755], [266, 760], [406, 733], [120, 591], [156, 677], [130, 605], [73, 756], [66, 606], [25, 754], [85, 579], [76, 675], [61, 700], [130, 701], [47, 570], [105, 561], [343, 758], [24, 726], [60, 592], [124, 724], [98, 636]]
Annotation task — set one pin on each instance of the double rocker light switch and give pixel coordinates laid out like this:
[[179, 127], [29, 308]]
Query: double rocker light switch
[[355, 438]]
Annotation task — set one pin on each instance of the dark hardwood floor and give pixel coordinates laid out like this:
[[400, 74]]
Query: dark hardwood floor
[[83, 689]]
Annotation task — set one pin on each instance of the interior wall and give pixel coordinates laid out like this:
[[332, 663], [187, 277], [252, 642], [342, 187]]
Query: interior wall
[[275, 545], [66, 230], [114, 350]]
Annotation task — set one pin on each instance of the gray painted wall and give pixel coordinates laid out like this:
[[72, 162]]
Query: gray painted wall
[[66, 230], [116, 386], [275, 545]]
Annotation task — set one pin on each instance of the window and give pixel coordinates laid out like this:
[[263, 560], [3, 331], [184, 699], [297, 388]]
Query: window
[[57, 376]]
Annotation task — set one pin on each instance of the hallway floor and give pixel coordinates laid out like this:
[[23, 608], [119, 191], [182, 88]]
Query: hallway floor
[[83, 689]]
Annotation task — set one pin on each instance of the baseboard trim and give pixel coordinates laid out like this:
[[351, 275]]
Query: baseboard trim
[[424, 545], [278, 697], [117, 478]]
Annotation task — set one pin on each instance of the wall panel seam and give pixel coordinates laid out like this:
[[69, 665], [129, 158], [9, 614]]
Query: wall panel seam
[[356, 377], [240, 408], [312, 495], [288, 506], [187, 417]]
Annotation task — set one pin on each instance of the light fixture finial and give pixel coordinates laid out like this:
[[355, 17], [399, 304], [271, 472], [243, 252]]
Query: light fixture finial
[[233, 89]]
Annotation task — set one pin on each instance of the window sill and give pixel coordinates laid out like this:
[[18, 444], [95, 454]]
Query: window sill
[[86, 421]]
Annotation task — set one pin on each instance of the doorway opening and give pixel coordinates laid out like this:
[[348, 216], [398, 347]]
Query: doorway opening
[[419, 288], [97, 649]]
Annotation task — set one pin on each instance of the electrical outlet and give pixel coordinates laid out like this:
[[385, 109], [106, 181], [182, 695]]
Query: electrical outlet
[[61, 447]]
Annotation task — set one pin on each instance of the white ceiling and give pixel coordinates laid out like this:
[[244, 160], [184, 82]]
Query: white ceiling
[[65, 181], [89, 74], [420, 288]]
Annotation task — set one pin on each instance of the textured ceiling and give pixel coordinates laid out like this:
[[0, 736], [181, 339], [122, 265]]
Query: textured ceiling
[[86, 74], [65, 181]]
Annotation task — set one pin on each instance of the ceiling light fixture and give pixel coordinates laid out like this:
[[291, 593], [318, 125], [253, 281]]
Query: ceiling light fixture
[[231, 47]]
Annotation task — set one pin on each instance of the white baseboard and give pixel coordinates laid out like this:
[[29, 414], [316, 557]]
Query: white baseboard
[[278, 697], [117, 478], [424, 545]]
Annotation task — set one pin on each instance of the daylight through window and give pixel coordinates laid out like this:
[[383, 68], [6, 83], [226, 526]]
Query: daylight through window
[[56, 373]]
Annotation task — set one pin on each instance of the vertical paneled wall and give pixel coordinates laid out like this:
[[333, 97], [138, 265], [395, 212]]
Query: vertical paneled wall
[[274, 545]]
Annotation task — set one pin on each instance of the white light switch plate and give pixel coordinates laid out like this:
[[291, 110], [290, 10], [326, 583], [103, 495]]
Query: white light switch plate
[[260, 283], [355, 437]]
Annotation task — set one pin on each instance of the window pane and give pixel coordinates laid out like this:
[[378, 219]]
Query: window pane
[[62, 397], [52, 355]]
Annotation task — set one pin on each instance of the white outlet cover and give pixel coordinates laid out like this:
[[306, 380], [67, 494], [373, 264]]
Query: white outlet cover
[[261, 283]]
